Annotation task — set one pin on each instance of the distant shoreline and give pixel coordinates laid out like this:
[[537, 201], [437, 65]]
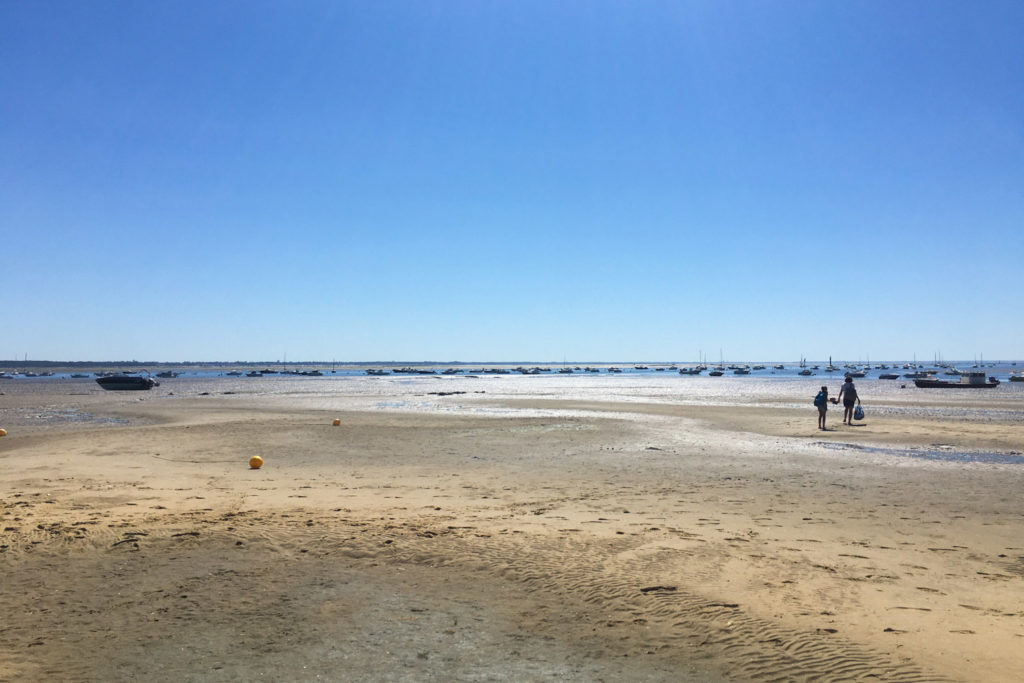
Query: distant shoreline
[[11, 364]]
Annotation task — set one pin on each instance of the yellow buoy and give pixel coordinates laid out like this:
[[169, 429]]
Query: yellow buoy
[[337, 422], [3, 432], [255, 462]]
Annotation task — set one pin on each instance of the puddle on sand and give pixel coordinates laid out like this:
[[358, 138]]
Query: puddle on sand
[[937, 453], [64, 415]]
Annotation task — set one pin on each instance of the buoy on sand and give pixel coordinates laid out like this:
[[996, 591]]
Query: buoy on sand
[[3, 432], [255, 462], [337, 422]]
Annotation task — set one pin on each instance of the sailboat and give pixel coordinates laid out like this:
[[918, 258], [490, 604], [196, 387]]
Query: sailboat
[[804, 370], [720, 368]]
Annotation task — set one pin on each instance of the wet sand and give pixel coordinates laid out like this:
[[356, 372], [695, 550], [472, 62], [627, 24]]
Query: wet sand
[[553, 539]]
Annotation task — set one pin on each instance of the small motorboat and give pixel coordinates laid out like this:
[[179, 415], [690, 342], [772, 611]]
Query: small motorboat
[[126, 383]]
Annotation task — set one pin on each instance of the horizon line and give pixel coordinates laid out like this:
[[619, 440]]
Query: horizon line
[[15, 362]]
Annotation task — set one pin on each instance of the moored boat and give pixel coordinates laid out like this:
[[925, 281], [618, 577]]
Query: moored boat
[[968, 380], [126, 383]]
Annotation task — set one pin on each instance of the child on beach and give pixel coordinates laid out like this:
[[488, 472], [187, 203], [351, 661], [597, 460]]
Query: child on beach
[[821, 402], [848, 395]]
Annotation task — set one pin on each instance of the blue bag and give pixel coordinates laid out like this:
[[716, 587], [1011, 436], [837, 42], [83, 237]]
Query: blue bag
[[858, 413]]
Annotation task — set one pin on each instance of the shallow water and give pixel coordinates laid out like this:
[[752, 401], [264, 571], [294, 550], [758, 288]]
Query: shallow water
[[74, 401], [935, 453], [418, 392]]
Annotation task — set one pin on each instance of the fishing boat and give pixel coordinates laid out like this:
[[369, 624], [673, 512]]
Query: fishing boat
[[968, 380], [126, 383]]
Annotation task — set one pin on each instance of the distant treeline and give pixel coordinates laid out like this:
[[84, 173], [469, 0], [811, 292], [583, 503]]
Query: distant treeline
[[218, 363], [153, 363], [145, 364]]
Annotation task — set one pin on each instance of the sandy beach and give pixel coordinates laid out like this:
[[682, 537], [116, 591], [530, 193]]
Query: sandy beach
[[439, 535]]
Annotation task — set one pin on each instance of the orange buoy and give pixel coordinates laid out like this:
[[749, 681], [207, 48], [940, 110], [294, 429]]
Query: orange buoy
[[255, 462], [337, 422], [3, 432]]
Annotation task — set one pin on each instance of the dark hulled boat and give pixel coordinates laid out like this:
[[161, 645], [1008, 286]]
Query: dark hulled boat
[[126, 383], [968, 380]]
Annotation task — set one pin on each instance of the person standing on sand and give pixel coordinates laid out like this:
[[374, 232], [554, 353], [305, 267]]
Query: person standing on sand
[[821, 402], [848, 395]]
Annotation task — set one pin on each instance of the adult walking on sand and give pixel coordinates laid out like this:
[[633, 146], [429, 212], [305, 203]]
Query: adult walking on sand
[[848, 395]]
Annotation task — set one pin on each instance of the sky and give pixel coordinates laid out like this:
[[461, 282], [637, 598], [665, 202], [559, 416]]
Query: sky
[[504, 181]]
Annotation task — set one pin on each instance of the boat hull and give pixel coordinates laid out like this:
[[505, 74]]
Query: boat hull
[[943, 384], [127, 383]]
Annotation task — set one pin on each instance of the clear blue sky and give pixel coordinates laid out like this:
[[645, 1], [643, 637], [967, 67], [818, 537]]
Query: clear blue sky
[[511, 180]]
